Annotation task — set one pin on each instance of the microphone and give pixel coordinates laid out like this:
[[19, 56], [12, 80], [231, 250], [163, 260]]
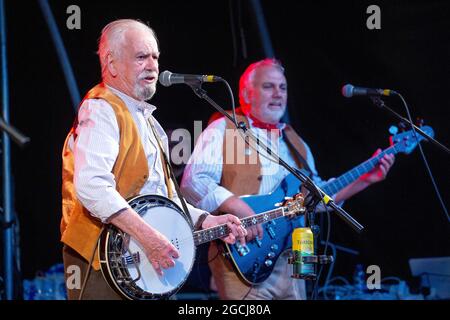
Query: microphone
[[349, 91], [167, 78]]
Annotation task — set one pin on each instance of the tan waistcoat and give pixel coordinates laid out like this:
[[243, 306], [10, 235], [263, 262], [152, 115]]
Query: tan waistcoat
[[241, 173], [79, 229]]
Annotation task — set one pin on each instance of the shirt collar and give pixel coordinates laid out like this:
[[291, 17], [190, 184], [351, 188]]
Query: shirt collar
[[144, 107]]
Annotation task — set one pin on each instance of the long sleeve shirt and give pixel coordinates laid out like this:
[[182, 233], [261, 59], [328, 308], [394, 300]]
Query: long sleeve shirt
[[96, 149]]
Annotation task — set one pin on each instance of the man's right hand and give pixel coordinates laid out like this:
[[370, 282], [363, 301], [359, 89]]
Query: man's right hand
[[158, 249], [234, 205], [160, 252]]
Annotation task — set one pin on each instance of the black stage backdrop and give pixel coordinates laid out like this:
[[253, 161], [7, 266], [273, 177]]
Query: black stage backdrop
[[323, 46]]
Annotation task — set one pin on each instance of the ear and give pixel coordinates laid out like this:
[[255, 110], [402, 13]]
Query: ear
[[111, 65], [246, 95]]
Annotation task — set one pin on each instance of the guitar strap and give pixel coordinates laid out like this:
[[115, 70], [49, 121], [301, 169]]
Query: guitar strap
[[169, 175], [298, 154]]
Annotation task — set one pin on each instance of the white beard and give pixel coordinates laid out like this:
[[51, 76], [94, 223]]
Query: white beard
[[275, 115], [270, 116], [144, 92]]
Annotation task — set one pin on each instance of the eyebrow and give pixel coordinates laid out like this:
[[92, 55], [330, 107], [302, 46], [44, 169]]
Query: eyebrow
[[271, 83], [142, 53]]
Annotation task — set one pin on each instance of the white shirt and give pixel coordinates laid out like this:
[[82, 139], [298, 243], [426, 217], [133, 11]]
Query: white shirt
[[201, 179], [97, 147]]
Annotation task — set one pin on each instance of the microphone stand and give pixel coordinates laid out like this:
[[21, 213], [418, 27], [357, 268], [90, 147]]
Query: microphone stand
[[307, 182], [15, 134], [377, 101]]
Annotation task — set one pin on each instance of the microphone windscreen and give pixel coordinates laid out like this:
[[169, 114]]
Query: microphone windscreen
[[164, 78], [347, 91]]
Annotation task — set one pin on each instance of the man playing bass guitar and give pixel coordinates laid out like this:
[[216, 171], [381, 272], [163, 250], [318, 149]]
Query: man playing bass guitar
[[220, 171]]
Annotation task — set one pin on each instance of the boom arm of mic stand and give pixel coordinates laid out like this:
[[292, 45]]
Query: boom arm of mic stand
[[203, 95], [304, 179], [309, 184], [377, 101], [15, 135]]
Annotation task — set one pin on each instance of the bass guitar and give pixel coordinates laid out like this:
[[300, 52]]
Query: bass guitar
[[255, 260]]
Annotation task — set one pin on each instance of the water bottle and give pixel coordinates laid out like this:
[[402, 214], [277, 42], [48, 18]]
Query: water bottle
[[359, 279], [46, 286], [29, 290], [55, 283]]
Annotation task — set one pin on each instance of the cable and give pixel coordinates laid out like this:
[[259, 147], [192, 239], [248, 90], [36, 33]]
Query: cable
[[316, 282], [246, 295], [88, 271], [425, 159], [233, 105], [390, 279], [343, 289], [342, 279], [330, 271]]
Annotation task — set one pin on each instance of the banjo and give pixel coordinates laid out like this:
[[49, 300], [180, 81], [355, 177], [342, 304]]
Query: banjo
[[127, 269]]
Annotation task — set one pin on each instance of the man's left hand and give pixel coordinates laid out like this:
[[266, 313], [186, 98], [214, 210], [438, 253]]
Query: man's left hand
[[379, 173], [238, 231]]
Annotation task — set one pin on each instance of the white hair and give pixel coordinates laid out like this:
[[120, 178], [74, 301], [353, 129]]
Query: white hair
[[248, 76], [113, 35]]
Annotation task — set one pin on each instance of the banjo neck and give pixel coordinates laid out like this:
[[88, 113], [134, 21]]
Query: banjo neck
[[222, 230]]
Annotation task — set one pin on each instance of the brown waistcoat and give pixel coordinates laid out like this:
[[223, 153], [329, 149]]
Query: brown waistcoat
[[79, 229], [241, 170]]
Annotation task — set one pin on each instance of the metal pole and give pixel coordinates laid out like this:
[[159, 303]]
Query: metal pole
[[62, 54], [8, 215], [263, 31]]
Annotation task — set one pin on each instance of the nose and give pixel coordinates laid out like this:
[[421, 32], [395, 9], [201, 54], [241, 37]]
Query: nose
[[277, 92], [152, 64]]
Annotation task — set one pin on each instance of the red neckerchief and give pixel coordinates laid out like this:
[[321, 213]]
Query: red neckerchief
[[268, 126], [263, 125]]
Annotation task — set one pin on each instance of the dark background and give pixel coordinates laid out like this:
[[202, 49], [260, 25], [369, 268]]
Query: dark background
[[323, 45]]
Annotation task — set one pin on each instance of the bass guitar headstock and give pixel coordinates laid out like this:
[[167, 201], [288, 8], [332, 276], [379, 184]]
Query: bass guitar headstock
[[405, 142]]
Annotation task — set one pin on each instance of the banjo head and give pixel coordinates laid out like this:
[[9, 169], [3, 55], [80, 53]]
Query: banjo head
[[124, 263]]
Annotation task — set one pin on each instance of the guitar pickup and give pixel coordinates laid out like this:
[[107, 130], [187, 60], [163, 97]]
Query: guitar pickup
[[258, 242], [271, 232], [243, 250], [133, 259]]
